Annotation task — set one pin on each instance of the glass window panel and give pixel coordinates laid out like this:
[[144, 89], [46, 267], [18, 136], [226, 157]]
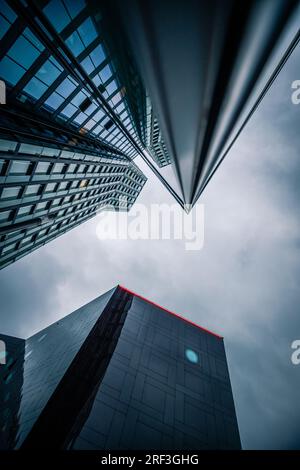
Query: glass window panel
[[87, 31], [63, 185], [8, 248], [58, 167], [25, 210], [7, 145], [54, 100], [19, 167], [35, 88], [91, 123], [97, 80], [48, 72], [32, 38], [23, 52], [67, 154], [69, 110], [32, 189], [28, 148], [78, 98], [112, 87], [91, 108], [71, 167], [50, 152], [56, 202], [97, 130], [9, 192], [2, 165], [105, 73], [120, 107], [4, 216], [74, 6], [10, 71], [4, 26], [57, 14], [66, 87], [116, 98], [98, 55], [75, 43], [7, 11], [80, 118], [42, 167], [41, 206], [88, 65]]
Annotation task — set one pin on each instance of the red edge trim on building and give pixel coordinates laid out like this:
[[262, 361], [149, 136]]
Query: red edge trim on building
[[169, 311]]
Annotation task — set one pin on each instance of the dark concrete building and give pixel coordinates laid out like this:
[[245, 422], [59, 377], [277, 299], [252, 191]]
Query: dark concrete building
[[119, 373]]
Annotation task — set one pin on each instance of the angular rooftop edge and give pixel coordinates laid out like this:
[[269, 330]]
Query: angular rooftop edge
[[170, 312]]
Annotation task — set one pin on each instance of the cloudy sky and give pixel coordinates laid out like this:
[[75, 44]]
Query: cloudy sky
[[243, 284]]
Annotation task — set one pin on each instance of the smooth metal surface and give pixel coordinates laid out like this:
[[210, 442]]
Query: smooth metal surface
[[200, 62]]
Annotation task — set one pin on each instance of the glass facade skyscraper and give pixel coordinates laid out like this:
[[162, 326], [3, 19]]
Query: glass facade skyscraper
[[118, 373], [62, 156], [104, 82]]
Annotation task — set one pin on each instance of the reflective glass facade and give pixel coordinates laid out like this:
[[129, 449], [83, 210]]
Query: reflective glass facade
[[123, 373]]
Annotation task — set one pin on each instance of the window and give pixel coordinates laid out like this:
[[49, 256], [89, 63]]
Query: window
[[87, 31], [32, 149], [32, 190], [19, 167], [11, 192], [69, 110], [8, 248], [25, 210], [41, 206], [43, 167], [58, 168], [57, 14], [7, 145], [23, 52], [85, 104], [63, 186], [5, 216], [50, 152], [105, 73], [66, 87], [83, 183], [71, 168], [54, 100], [49, 71], [35, 88], [97, 55], [56, 202], [10, 71], [75, 44], [50, 187]]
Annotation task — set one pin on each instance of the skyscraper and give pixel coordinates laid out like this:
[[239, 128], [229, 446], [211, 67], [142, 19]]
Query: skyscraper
[[119, 373], [104, 82], [52, 180]]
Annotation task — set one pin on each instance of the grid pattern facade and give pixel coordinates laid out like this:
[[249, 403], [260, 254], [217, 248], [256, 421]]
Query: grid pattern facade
[[153, 397], [154, 140], [38, 75], [38, 181], [164, 385]]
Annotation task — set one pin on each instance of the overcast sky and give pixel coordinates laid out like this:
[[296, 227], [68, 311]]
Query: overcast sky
[[243, 284]]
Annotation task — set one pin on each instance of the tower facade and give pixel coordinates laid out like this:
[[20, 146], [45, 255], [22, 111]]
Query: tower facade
[[120, 373]]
